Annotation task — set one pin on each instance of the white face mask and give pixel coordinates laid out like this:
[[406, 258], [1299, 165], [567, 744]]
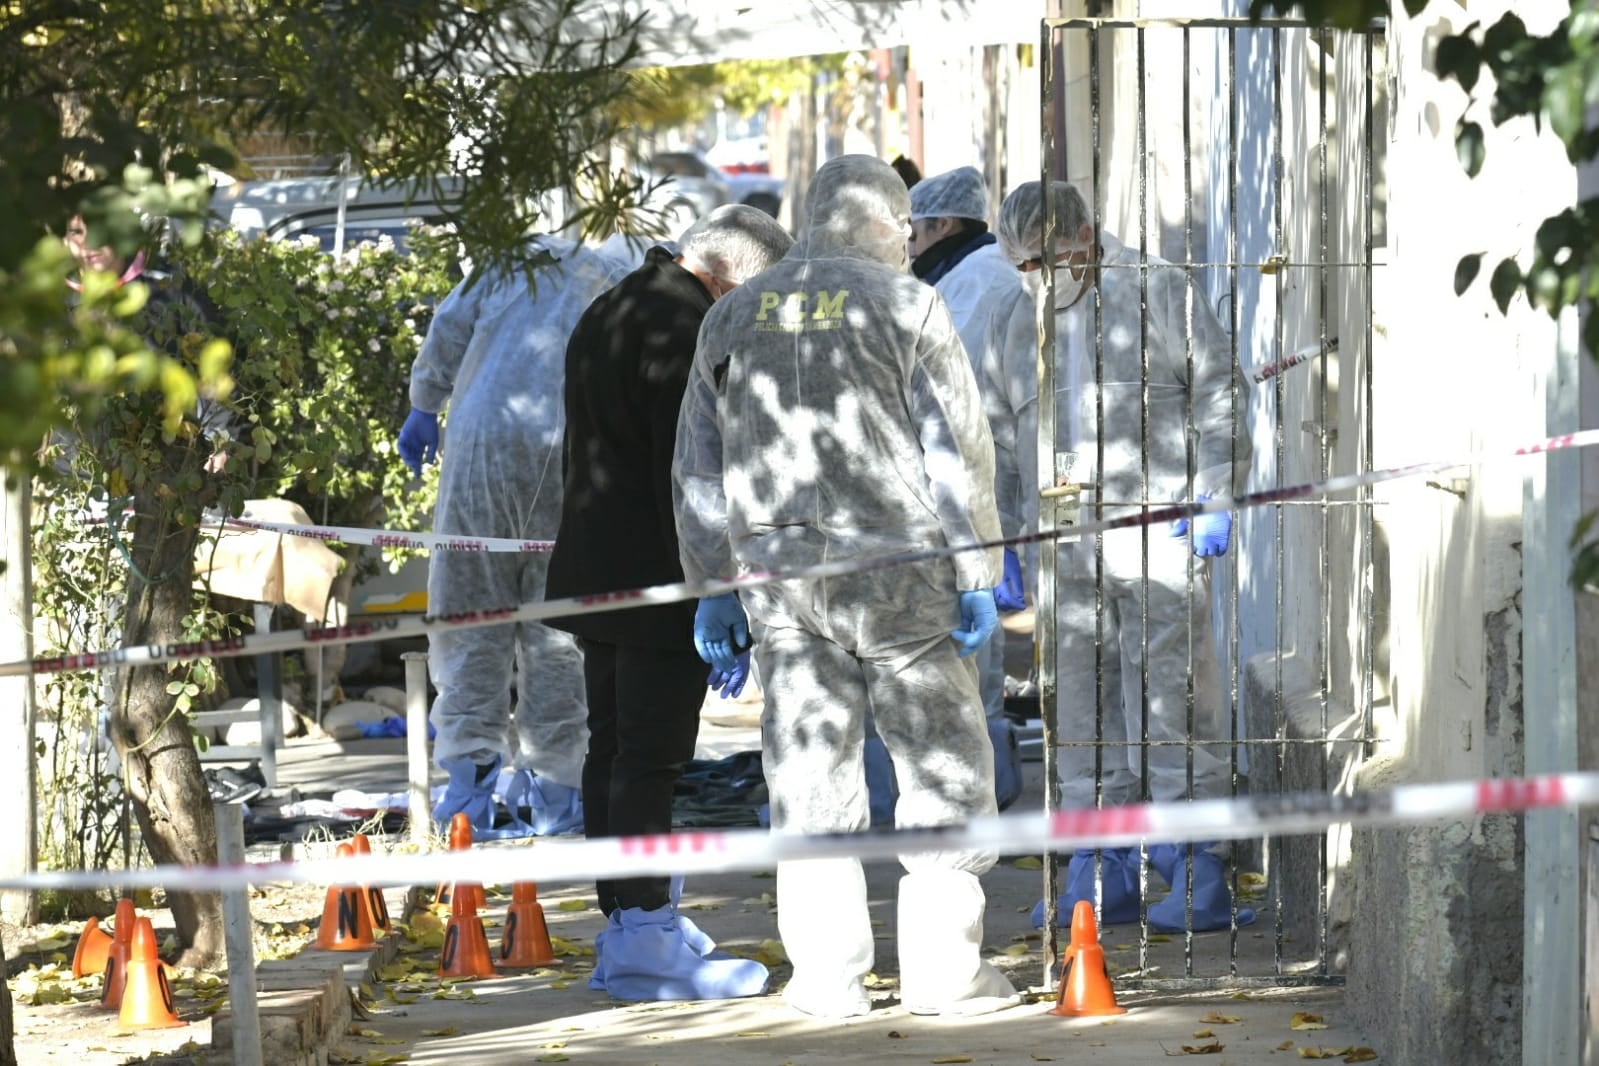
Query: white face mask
[[1068, 290]]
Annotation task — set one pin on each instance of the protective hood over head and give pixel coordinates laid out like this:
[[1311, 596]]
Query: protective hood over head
[[1021, 218], [857, 206], [958, 193]]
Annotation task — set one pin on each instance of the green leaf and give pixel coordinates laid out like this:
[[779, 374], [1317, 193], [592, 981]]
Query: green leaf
[[1466, 272], [1505, 282], [1564, 99], [1585, 567], [1469, 147], [1459, 57]]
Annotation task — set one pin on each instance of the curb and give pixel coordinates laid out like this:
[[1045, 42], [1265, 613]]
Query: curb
[[306, 1003]]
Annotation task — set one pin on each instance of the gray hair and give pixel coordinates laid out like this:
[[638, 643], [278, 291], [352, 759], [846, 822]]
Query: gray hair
[[735, 242], [1021, 218]]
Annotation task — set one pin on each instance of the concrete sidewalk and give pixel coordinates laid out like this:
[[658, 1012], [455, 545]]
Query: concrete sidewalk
[[551, 1016]]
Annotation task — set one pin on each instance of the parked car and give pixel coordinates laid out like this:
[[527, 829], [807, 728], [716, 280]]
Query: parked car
[[693, 169], [298, 206]]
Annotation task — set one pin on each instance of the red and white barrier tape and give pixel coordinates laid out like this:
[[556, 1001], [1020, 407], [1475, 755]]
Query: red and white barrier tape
[[718, 851], [1263, 374], [390, 538], [292, 639]]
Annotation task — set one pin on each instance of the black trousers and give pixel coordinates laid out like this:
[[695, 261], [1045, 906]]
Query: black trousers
[[644, 717]]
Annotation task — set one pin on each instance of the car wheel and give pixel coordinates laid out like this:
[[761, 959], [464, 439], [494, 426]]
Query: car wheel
[[764, 201]]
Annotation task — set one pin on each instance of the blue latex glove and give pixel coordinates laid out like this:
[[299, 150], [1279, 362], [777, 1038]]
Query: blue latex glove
[[979, 616], [1213, 533], [730, 683], [419, 440], [720, 630], [1011, 595]]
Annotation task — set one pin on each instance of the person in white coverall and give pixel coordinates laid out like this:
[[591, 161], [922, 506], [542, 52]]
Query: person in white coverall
[[495, 356], [1102, 305], [832, 413], [952, 250]]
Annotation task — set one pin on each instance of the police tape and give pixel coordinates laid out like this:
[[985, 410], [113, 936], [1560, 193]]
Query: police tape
[[1263, 374], [392, 538], [725, 850], [389, 628]]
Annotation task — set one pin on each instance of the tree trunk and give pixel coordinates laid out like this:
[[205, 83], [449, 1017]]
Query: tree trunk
[[8, 1052], [169, 793]]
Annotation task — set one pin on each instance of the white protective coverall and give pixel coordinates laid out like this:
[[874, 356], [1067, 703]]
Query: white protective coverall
[[496, 356], [979, 289], [1011, 388], [831, 413]]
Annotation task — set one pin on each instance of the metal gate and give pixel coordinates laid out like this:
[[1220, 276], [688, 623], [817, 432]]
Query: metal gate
[[1246, 155]]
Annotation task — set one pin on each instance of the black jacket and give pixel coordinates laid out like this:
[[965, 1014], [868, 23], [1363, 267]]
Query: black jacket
[[627, 366]]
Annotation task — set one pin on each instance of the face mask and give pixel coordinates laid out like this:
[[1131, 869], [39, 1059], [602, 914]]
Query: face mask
[[1068, 290]]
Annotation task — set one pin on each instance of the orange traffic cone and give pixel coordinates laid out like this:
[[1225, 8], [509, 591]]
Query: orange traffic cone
[[346, 926], [466, 946], [460, 840], [526, 939], [147, 999], [116, 964], [94, 947], [1085, 986], [377, 909]]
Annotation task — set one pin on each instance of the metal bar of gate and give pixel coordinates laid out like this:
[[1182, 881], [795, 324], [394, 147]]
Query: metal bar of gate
[[1143, 485], [1234, 708], [1190, 461], [1325, 437], [1280, 454], [1044, 608]]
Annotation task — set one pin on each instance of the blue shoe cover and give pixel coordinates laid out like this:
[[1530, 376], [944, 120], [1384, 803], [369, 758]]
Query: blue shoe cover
[[881, 791], [552, 809], [659, 954], [471, 790], [1213, 900], [1119, 882], [1007, 761]]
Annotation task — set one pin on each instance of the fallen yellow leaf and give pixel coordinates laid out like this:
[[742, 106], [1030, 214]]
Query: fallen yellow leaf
[[1323, 1052], [752, 1034], [1306, 1022], [1028, 862], [1361, 1054], [1201, 1034], [560, 984], [1016, 949], [554, 1056], [448, 1030], [1215, 1047], [953, 1058], [1286, 1045], [1160, 938], [572, 905], [1217, 1018], [1041, 1058]]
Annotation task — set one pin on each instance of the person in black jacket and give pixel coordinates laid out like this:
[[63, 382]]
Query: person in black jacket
[[627, 364]]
